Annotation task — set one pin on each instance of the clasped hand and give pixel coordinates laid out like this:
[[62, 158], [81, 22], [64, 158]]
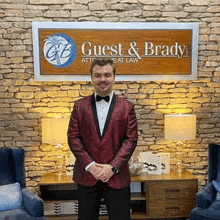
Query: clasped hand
[[101, 172]]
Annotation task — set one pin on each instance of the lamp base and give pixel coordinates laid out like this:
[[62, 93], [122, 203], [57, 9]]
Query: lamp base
[[60, 165], [179, 145], [179, 172], [59, 175]]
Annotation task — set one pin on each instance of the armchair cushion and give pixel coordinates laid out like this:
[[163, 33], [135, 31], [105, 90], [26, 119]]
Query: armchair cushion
[[10, 197], [217, 187], [206, 196], [7, 171], [32, 203], [205, 214], [18, 214]]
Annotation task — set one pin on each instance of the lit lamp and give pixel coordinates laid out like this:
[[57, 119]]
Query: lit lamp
[[178, 128], [54, 132]]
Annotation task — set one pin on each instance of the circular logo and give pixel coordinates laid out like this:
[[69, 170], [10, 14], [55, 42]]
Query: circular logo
[[60, 50]]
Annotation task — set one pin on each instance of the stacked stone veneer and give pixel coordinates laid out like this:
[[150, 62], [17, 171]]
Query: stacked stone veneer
[[24, 101]]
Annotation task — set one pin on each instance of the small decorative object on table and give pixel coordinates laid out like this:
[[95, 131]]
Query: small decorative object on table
[[70, 161], [165, 162], [151, 162], [135, 165]]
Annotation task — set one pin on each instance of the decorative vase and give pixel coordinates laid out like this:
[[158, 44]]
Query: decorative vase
[[135, 165]]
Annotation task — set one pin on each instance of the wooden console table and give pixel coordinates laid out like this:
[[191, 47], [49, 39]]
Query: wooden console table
[[163, 196]]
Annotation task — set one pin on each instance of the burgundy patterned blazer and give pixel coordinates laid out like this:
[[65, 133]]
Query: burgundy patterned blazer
[[115, 146]]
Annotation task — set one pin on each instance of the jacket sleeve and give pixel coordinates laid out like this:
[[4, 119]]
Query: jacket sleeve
[[74, 139], [129, 144]]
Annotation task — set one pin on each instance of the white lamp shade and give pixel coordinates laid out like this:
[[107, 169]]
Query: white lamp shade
[[54, 130], [180, 127]]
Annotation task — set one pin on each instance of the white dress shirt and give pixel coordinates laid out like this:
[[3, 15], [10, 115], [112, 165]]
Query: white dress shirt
[[102, 108]]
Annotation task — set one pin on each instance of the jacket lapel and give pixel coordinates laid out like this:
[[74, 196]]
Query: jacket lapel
[[94, 111], [95, 116]]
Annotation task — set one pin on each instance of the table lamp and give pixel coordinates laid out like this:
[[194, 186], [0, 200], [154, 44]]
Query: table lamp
[[179, 128], [54, 132]]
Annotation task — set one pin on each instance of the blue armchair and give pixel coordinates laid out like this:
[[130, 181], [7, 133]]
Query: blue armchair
[[207, 207], [16, 202]]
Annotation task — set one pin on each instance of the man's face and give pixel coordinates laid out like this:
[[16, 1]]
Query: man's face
[[103, 79]]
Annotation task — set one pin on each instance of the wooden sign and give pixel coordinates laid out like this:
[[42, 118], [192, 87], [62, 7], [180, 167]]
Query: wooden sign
[[140, 51]]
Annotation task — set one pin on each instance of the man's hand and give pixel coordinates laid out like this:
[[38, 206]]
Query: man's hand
[[95, 170], [106, 172]]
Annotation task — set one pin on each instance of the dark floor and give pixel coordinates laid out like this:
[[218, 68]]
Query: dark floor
[[165, 219], [169, 219]]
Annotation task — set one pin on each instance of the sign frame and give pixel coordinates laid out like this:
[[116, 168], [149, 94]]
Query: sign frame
[[194, 27]]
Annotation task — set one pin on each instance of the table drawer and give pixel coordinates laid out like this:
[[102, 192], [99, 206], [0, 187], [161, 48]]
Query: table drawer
[[171, 198], [171, 190], [171, 207]]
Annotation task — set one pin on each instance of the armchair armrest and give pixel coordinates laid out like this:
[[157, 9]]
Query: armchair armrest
[[32, 203], [206, 196]]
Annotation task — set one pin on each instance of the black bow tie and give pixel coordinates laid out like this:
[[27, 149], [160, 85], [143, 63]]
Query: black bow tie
[[99, 98]]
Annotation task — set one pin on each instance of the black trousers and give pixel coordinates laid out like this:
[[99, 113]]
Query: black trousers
[[117, 202]]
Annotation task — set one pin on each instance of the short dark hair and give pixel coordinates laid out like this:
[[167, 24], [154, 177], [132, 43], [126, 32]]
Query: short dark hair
[[103, 62]]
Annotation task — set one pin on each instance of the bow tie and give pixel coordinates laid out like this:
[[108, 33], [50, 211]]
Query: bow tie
[[99, 98]]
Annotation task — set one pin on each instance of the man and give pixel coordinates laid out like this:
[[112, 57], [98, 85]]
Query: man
[[102, 135]]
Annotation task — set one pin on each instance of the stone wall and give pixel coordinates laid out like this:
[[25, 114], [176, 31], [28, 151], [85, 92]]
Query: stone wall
[[24, 101]]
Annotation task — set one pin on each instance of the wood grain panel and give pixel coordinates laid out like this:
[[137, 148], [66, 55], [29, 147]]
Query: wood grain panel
[[117, 44]]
